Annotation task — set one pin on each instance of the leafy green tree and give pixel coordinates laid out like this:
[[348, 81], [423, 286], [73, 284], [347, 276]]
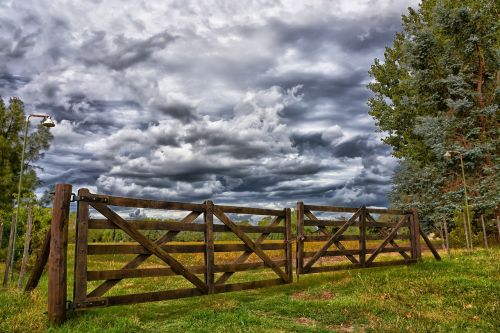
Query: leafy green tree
[[437, 90]]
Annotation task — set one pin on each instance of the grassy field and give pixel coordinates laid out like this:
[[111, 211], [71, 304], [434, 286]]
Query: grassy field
[[458, 295]]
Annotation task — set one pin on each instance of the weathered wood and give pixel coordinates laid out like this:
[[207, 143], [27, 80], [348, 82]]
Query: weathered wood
[[466, 230], [10, 253], [138, 260], [250, 210], [418, 247], [254, 247], [352, 210], [485, 236], [81, 239], [245, 255], [329, 243], [339, 223], [179, 226], [41, 261], [57, 285], [300, 238], [339, 253], [390, 237], [400, 249], [319, 238], [27, 242], [428, 243], [355, 266], [167, 271], [146, 203], [362, 236], [209, 246], [150, 246], [288, 243], [1, 234]]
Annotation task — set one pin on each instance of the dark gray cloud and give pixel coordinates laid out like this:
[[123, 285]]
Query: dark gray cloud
[[188, 101]]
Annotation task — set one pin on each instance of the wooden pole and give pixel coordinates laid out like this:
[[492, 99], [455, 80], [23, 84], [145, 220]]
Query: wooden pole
[[81, 239], [441, 234], [466, 234], [485, 236], [300, 238], [209, 246], [445, 224], [41, 261], [27, 241], [288, 244], [362, 237], [58, 254], [10, 253], [1, 234]]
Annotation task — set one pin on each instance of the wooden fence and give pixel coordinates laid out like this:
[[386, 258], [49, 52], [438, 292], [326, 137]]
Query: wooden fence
[[202, 277], [333, 231]]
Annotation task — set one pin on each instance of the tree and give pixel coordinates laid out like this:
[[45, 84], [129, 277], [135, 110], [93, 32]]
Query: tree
[[437, 90], [12, 122]]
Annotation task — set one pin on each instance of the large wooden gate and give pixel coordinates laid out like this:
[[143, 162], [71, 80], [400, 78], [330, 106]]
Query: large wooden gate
[[360, 228], [202, 277]]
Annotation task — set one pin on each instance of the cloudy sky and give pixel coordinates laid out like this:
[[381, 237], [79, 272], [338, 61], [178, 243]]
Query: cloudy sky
[[260, 102]]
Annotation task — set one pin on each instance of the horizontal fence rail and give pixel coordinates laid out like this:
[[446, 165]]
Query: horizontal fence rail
[[257, 247]]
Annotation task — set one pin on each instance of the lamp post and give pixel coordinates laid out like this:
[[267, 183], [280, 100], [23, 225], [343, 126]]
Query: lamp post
[[448, 155], [47, 122]]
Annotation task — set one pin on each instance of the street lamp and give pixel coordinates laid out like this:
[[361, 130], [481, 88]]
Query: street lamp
[[449, 154], [46, 122]]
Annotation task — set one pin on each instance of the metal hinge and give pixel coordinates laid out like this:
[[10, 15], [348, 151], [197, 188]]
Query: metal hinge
[[89, 198]]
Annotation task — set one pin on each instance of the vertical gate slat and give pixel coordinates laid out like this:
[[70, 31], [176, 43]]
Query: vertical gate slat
[[288, 241], [82, 225], [362, 237], [209, 246], [300, 238]]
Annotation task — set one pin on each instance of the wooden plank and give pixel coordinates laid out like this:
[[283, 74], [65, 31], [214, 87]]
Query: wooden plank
[[339, 223], [337, 243], [57, 285], [338, 253], [245, 255], [428, 243], [300, 238], [250, 210], [362, 237], [320, 238], [323, 269], [254, 247], [27, 242], [167, 271], [179, 226], [150, 246], [209, 246], [138, 260], [81, 239], [418, 249], [334, 209], [100, 249], [288, 243], [399, 249], [390, 237], [41, 261], [146, 203], [332, 239]]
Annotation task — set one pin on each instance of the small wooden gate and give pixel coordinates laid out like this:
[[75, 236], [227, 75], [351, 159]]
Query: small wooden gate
[[146, 248], [333, 231]]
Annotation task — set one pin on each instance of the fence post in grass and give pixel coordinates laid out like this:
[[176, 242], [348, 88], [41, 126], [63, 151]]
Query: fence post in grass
[[27, 240], [40, 263], [445, 225], [57, 288], [415, 235], [80, 268], [300, 238], [485, 236], [467, 238], [208, 217], [362, 237], [10, 253], [288, 244]]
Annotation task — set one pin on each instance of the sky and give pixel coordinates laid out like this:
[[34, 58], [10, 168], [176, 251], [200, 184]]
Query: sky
[[253, 103]]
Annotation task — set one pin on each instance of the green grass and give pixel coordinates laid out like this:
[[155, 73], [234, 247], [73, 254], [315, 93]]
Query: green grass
[[458, 295]]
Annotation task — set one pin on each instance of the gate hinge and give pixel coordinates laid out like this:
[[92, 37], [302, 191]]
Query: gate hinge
[[89, 198]]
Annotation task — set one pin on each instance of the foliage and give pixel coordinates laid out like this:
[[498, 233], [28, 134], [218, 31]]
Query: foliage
[[435, 91]]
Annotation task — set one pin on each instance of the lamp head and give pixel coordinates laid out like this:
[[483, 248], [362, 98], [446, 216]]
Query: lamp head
[[447, 155], [47, 122]]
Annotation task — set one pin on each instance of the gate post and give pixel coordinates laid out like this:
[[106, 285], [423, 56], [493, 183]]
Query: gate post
[[208, 217], [362, 237], [288, 244], [81, 243], [300, 238], [416, 252], [58, 254]]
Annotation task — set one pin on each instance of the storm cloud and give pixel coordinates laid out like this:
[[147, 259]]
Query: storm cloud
[[261, 102]]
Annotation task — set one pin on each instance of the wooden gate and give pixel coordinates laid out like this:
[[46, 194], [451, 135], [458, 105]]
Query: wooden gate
[[161, 249], [360, 227]]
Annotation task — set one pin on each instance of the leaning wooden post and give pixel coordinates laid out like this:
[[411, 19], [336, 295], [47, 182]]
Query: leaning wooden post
[[10, 253], [209, 246], [27, 240], [58, 254], [40, 263], [466, 234], [445, 225], [288, 244], [362, 237], [485, 237], [300, 238]]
